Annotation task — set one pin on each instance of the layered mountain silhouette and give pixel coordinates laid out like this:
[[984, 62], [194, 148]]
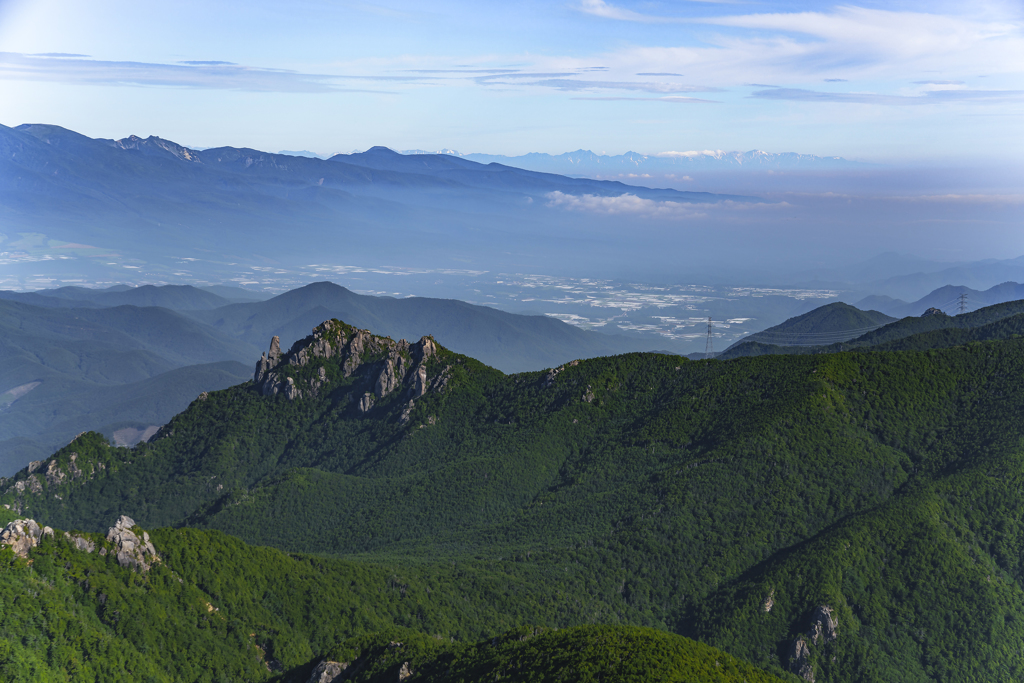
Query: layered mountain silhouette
[[157, 201], [71, 356]]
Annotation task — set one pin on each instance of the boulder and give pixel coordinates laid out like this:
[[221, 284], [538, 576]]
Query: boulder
[[80, 542], [328, 672], [130, 550], [22, 535]]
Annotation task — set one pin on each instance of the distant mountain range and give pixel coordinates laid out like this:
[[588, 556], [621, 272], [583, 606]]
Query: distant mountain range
[[946, 298], [118, 359], [149, 208], [583, 162]]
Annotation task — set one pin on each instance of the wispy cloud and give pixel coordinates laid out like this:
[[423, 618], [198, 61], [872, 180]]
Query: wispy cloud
[[683, 100], [929, 97], [600, 8], [195, 74], [576, 85], [863, 44]]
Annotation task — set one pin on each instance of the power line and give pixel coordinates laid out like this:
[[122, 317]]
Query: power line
[[962, 303]]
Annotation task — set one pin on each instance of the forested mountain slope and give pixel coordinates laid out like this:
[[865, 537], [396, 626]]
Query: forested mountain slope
[[824, 325], [851, 516], [887, 337], [201, 606]]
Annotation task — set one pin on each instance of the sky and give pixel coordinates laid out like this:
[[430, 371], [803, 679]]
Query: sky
[[917, 82]]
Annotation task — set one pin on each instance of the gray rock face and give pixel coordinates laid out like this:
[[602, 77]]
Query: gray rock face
[[407, 412], [404, 672], [823, 626], [328, 672], [419, 382], [823, 623], [800, 660], [387, 380], [54, 474], [131, 551], [933, 311], [22, 535], [80, 542], [402, 364]]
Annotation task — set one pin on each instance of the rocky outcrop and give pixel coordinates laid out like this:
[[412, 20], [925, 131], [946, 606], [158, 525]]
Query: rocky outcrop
[[80, 542], [824, 626], [130, 550], [328, 672], [933, 311], [49, 471], [800, 660], [302, 372], [55, 476], [549, 379], [22, 535], [405, 672]]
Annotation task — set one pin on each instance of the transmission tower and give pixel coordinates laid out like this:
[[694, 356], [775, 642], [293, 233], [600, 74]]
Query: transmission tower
[[709, 347], [962, 303]]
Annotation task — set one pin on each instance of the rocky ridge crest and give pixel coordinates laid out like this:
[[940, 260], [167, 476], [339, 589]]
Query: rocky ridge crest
[[391, 365], [43, 477], [129, 549]]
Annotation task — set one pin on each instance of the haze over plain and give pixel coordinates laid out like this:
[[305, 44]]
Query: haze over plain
[[923, 100]]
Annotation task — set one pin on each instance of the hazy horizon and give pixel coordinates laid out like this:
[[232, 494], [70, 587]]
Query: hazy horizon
[[924, 82]]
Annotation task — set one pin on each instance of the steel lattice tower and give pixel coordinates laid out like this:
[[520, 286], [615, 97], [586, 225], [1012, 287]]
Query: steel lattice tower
[[709, 347]]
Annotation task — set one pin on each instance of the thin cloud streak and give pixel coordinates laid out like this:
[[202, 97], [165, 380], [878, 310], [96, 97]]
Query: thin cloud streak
[[683, 100], [201, 75], [930, 97], [572, 85]]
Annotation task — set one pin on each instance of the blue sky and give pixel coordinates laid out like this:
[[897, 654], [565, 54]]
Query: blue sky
[[882, 81]]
